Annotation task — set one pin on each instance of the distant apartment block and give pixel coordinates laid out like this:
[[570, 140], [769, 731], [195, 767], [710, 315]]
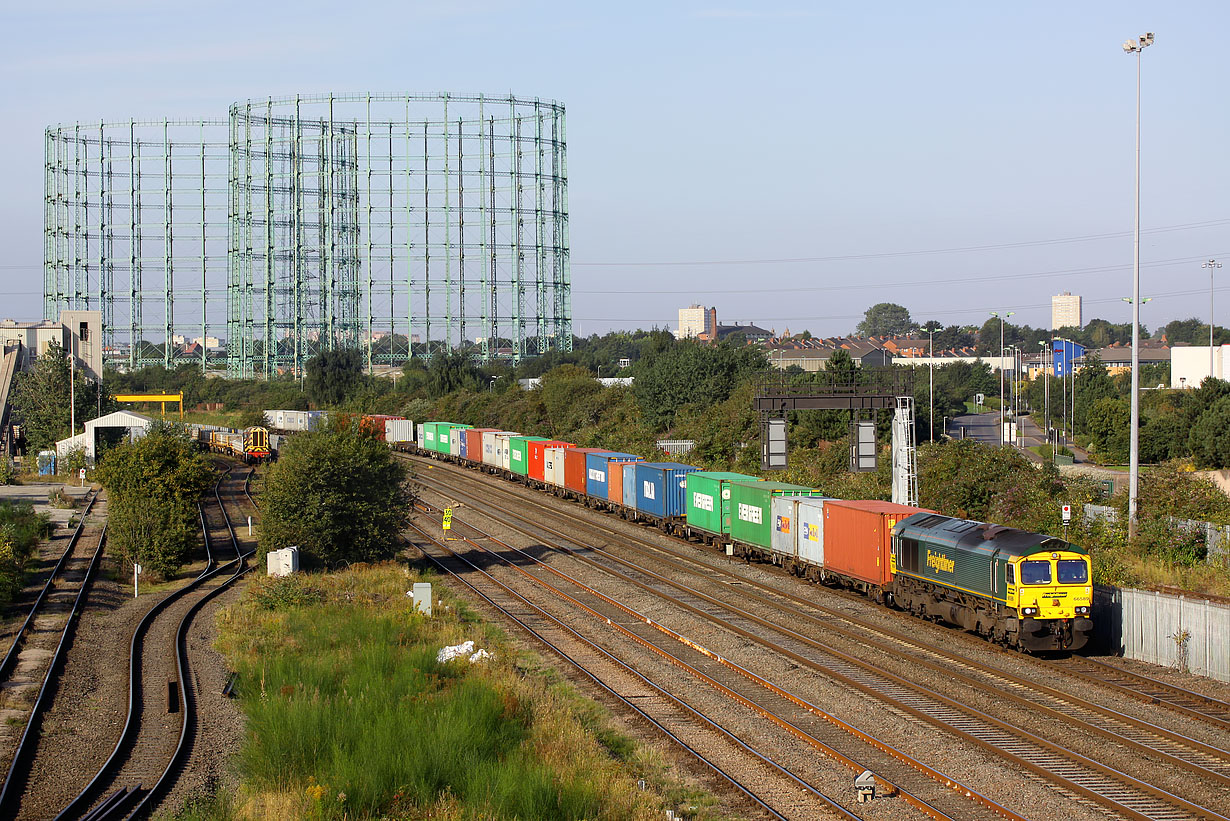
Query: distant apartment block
[[697, 321], [1065, 311]]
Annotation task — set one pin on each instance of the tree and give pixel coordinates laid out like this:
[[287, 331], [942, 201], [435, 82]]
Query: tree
[[339, 495], [691, 373], [452, 372], [885, 319], [41, 399], [1210, 436], [332, 376], [153, 487], [567, 395], [1107, 422]]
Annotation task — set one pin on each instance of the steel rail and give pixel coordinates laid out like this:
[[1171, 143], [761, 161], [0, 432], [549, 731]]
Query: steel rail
[[135, 655], [802, 735], [11, 656], [631, 671], [187, 694], [1036, 760], [1067, 669], [9, 795], [1148, 749]]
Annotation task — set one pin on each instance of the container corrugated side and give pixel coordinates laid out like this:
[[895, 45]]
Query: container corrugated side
[[397, 431], [629, 484], [455, 436], [503, 444], [553, 463], [538, 451], [597, 471], [785, 531], [751, 504], [575, 467], [615, 480], [858, 538], [809, 530], [474, 444], [491, 448], [708, 499], [519, 453], [420, 435], [661, 488]]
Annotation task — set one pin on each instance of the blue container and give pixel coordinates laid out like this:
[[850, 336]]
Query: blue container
[[461, 446], [661, 488], [596, 472], [629, 476]]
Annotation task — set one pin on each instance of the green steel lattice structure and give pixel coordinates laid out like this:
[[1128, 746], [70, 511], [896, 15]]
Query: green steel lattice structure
[[403, 225]]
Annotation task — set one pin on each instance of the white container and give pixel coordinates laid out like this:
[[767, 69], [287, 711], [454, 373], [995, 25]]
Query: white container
[[491, 447], [504, 449], [454, 440], [784, 537], [419, 434], [809, 530], [553, 466], [398, 431]]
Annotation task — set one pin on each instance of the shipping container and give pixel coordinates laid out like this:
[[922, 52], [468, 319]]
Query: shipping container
[[575, 467], [296, 421], [597, 470], [436, 435], [798, 528], [491, 447], [858, 538], [661, 487], [615, 480], [474, 443], [419, 435], [519, 457], [629, 483], [751, 505], [503, 444], [373, 424], [398, 431], [554, 465], [537, 452], [709, 499]]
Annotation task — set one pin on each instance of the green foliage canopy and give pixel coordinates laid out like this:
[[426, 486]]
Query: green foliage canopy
[[885, 319], [41, 398], [332, 376], [339, 495]]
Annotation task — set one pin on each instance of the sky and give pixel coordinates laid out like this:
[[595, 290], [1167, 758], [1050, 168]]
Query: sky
[[788, 163]]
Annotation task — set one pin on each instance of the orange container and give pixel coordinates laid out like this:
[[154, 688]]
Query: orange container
[[858, 538], [536, 453], [575, 469]]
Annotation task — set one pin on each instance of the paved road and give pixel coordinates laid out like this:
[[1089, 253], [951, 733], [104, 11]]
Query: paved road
[[981, 427]]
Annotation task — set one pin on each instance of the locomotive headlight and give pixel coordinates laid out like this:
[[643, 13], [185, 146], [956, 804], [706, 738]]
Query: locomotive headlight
[[1029, 611], [1082, 611]]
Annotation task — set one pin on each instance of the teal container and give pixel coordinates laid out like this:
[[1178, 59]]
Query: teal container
[[751, 505], [708, 499]]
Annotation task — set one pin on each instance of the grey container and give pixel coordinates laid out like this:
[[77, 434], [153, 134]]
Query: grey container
[[798, 528]]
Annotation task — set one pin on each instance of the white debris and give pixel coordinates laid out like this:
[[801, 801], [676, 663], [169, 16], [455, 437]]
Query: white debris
[[480, 656], [454, 651]]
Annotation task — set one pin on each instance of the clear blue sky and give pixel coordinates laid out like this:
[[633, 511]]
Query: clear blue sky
[[716, 133]]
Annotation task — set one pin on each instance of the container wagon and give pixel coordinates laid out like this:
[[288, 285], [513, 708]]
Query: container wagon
[[398, 432], [858, 545], [657, 491], [751, 521], [1026, 590]]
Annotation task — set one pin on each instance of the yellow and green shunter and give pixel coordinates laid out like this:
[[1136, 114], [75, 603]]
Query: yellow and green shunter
[[1026, 590]]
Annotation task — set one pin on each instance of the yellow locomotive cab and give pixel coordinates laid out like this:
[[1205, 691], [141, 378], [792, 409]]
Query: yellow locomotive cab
[[1050, 585]]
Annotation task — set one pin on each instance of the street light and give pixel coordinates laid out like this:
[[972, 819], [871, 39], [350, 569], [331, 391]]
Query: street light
[[1046, 399], [1211, 264], [931, 381], [1001, 372], [1136, 47]]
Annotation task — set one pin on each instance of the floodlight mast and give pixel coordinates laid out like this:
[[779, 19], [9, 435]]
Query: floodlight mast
[[1136, 47]]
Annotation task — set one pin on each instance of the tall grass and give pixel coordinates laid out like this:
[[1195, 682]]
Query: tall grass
[[350, 714], [20, 531]]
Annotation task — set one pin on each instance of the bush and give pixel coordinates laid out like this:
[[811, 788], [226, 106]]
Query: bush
[[339, 495], [8, 471]]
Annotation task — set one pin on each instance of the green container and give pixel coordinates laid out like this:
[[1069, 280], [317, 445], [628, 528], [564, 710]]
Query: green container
[[519, 453], [708, 499], [436, 435], [751, 505]]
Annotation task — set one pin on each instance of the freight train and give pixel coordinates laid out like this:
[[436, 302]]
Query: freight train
[[252, 444], [1025, 590]]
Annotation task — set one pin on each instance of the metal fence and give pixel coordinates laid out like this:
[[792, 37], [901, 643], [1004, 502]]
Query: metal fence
[[676, 447], [1187, 634]]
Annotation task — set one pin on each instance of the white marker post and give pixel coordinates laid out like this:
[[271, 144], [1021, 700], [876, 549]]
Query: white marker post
[[136, 572], [249, 525], [81, 475]]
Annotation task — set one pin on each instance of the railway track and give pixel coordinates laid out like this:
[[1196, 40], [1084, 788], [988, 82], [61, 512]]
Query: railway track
[[796, 716], [1130, 797], [37, 652], [162, 717]]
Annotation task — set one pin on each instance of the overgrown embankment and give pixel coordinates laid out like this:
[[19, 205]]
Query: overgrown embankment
[[351, 715]]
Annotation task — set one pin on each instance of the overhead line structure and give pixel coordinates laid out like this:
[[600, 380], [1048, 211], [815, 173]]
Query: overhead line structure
[[331, 221]]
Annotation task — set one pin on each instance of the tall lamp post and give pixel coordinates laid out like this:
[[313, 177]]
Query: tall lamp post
[[1211, 264], [1136, 47], [1002, 438], [1046, 399], [931, 380]]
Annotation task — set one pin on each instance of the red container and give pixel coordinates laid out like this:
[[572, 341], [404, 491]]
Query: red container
[[575, 471], [536, 452], [474, 443], [858, 538]]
